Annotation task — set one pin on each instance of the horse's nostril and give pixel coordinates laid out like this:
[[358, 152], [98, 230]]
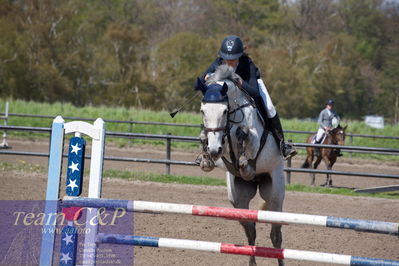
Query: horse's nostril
[[220, 150]]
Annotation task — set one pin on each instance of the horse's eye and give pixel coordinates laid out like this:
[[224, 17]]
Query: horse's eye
[[224, 112], [202, 112]]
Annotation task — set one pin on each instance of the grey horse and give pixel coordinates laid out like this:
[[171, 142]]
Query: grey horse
[[234, 138]]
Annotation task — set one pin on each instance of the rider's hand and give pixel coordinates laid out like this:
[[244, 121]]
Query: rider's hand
[[207, 76], [239, 80]]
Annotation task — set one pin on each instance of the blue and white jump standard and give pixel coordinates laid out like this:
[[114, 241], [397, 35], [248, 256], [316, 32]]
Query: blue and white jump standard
[[72, 200], [73, 183]]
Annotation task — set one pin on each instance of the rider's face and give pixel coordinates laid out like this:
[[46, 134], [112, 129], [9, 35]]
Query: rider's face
[[329, 106], [233, 63]]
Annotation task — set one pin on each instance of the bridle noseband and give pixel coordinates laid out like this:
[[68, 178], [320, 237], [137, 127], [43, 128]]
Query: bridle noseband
[[214, 129]]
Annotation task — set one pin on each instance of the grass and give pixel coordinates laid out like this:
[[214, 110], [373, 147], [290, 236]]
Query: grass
[[164, 178], [22, 166], [339, 191], [195, 180]]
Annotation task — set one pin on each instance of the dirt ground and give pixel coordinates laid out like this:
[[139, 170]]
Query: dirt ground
[[19, 185]]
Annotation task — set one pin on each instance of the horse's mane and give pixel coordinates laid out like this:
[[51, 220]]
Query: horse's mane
[[222, 72]]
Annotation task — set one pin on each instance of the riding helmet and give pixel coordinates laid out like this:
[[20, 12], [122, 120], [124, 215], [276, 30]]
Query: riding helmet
[[231, 48], [329, 102]]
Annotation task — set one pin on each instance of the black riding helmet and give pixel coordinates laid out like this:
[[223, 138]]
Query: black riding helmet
[[231, 48], [330, 102]]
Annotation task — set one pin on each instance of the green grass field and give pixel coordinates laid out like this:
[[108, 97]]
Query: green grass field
[[132, 114], [192, 180]]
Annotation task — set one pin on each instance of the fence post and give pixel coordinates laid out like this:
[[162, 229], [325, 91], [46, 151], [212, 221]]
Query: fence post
[[130, 131], [288, 176], [350, 144], [168, 151], [4, 144]]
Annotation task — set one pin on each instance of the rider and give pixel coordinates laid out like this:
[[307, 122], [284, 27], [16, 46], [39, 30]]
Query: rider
[[326, 122], [232, 53]]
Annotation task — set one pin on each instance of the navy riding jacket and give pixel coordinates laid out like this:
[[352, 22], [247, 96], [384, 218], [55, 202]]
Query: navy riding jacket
[[250, 74]]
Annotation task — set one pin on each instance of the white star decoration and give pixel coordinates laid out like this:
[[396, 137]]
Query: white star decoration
[[74, 167], [67, 239], [75, 148], [72, 184], [65, 258]]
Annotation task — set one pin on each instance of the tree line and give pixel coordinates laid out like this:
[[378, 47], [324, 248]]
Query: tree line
[[147, 53]]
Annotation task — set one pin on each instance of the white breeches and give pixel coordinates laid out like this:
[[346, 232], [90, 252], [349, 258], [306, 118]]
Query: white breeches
[[320, 134], [270, 110]]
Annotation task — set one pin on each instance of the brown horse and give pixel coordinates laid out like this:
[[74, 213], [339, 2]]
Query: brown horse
[[335, 136]]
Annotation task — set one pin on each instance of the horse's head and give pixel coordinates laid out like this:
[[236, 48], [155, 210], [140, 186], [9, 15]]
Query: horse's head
[[214, 110], [338, 135]]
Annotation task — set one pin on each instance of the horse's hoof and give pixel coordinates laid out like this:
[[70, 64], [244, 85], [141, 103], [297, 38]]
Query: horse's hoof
[[247, 178], [207, 168], [243, 163], [207, 165], [252, 261]]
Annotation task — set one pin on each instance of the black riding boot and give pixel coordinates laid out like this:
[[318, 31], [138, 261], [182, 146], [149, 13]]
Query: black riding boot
[[286, 149]]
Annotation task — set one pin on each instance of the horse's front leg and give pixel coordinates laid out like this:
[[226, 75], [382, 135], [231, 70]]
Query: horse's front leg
[[313, 175], [329, 162], [240, 193], [245, 138], [272, 190], [204, 159]]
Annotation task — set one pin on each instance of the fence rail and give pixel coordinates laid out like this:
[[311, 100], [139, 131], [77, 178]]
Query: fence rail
[[187, 163], [168, 162], [350, 135], [391, 151], [106, 120]]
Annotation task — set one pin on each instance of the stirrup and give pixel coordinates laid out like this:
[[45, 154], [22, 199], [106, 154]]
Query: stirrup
[[288, 151], [291, 153]]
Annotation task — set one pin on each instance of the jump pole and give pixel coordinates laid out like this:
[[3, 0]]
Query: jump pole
[[97, 132], [242, 250], [237, 214]]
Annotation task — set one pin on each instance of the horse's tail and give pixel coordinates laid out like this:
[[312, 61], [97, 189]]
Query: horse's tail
[[305, 164]]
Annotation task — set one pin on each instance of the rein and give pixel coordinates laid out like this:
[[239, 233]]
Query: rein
[[214, 129], [226, 128], [233, 165]]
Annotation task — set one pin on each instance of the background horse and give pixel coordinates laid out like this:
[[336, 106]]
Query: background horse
[[234, 131], [335, 136]]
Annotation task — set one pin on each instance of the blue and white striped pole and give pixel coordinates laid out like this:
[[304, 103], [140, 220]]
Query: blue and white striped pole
[[242, 250], [239, 214]]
